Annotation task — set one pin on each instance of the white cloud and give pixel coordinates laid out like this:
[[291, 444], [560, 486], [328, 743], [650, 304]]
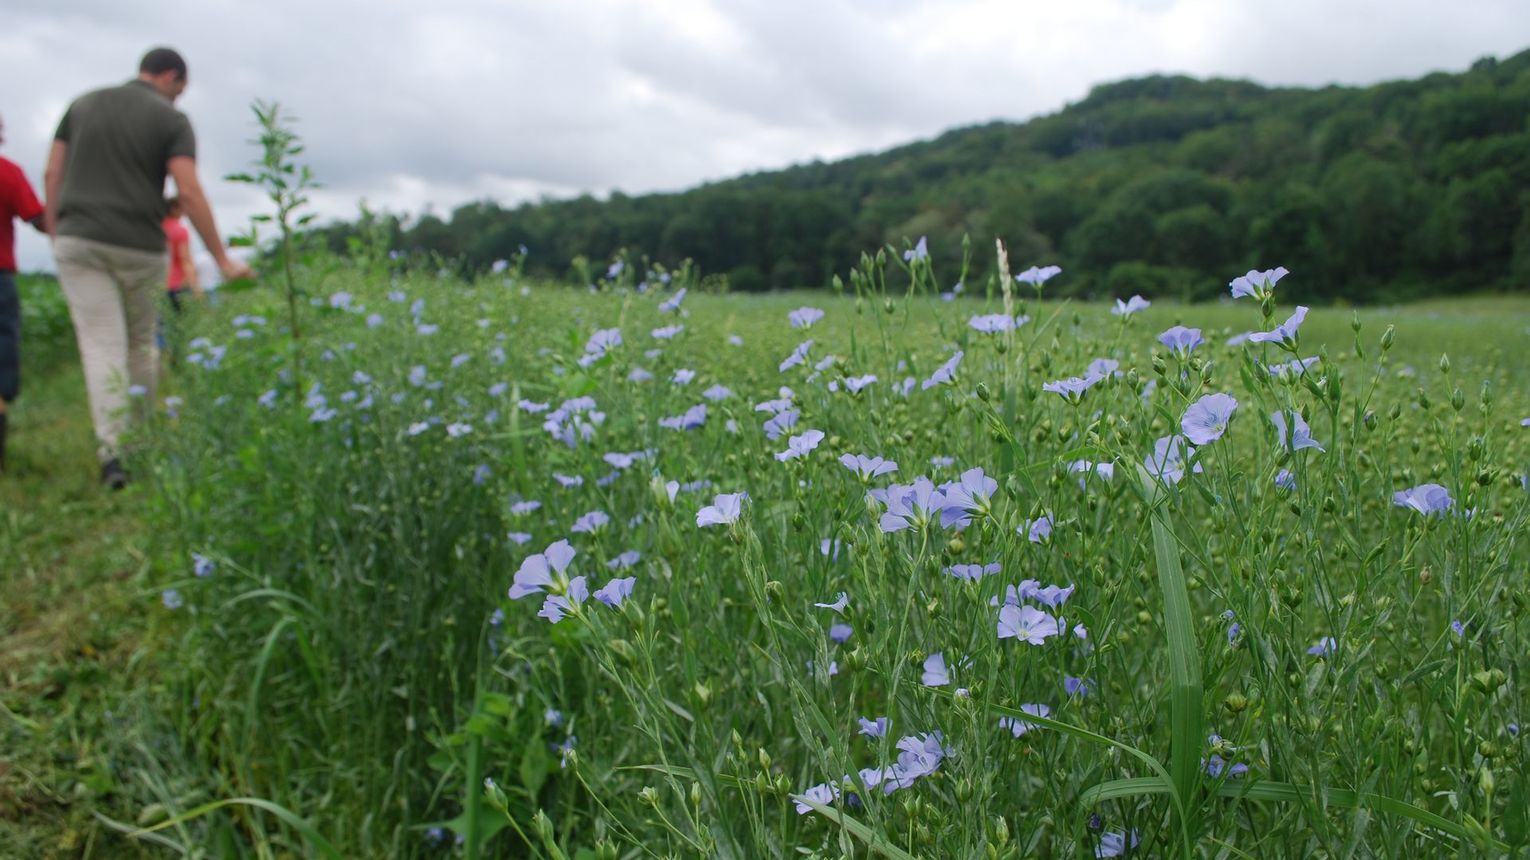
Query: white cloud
[[408, 104]]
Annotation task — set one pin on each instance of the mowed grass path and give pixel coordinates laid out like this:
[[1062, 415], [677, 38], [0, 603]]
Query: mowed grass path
[[80, 575], [75, 604]]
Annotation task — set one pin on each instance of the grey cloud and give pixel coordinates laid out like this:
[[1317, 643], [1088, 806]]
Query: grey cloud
[[408, 104]]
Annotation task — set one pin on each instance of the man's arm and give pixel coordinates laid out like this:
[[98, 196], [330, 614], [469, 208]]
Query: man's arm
[[53, 184], [184, 171]]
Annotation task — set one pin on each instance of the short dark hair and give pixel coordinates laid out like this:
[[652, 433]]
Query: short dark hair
[[161, 60]]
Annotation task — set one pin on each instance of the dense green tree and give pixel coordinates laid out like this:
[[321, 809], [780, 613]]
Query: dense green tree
[[1162, 184]]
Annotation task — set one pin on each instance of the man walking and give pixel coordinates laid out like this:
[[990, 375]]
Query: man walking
[[105, 189], [17, 201]]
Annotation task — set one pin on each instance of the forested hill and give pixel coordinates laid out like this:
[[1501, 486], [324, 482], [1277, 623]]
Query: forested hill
[[1160, 185]]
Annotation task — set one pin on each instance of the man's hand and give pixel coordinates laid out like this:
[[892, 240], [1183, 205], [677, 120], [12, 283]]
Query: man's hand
[[234, 270]]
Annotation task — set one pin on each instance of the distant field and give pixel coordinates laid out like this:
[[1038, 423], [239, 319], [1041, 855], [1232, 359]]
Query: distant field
[[1200, 649]]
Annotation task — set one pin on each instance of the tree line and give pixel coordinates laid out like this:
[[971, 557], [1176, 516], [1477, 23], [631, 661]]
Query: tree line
[[1166, 185]]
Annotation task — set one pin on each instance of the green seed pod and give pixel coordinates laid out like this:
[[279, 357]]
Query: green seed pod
[[982, 392], [1476, 448], [1369, 420], [1423, 399], [1457, 399], [1354, 322], [1160, 366], [1387, 337], [1235, 703], [1445, 363]]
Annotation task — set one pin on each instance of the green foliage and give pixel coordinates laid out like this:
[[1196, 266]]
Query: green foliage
[[1391, 191], [346, 664]]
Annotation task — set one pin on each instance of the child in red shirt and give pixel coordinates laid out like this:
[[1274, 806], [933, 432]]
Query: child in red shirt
[[183, 271], [17, 200]]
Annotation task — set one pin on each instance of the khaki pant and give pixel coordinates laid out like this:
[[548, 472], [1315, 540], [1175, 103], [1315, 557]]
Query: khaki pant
[[111, 292]]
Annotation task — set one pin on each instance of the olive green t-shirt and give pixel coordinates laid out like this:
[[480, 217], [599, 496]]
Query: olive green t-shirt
[[120, 141]]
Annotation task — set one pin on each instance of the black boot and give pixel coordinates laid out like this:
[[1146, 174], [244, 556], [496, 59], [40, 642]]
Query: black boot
[[112, 474]]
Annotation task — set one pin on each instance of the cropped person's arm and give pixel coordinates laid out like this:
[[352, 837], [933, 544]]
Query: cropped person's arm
[[53, 184], [184, 171], [189, 266]]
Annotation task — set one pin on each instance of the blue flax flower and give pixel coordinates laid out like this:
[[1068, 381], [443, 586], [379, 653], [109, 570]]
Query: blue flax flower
[[840, 632], [1285, 333], [776, 426], [1169, 459], [841, 600], [1285, 480], [1180, 340], [855, 384], [920, 251], [625, 560], [667, 332], [865, 467], [1256, 284], [672, 304], [591, 522], [1026, 623], [1071, 389], [1113, 844], [1038, 530], [1038, 275], [970, 496], [1133, 305], [798, 356], [800, 446], [616, 591], [935, 672], [996, 323], [876, 728], [1324, 647], [822, 794], [804, 317], [556, 606], [693, 418], [943, 374], [1300, 435], [973, 572], [536, 571], [1105, 471], [1427, 499], [1207, 419], [717, 393], [1294, 367], [910, 506], [1018, 726], [724, 510]]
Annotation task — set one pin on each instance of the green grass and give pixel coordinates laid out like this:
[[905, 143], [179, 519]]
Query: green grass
[[338, 679], [79, 684]]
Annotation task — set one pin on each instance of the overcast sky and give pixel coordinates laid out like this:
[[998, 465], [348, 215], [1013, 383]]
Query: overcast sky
[[416, 104]]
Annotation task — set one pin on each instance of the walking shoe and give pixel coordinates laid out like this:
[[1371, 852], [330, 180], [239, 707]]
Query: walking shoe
[[112, 474]]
